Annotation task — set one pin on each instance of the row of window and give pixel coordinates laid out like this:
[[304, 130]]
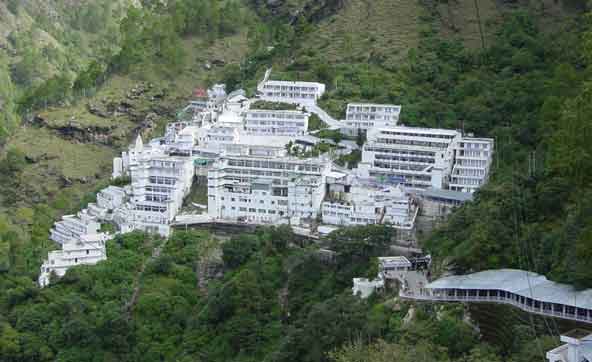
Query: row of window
[[162, 180], [471, 163], [482, 154], [351, 109], [150, 208], [469, 145], [415, 177], [405, 159], [253, 210], [275, 131], [168, 164], [399, 166], [291, 95], [157, 198], [291, 88], [466, 181], [274, 165], [160, 189], [278, 116], [389, 141], [366, 117], [275, 123], [401, 152], [425, 135]]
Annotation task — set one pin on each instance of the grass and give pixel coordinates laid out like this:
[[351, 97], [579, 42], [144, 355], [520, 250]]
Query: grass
[[88, 165], [365, 29], [461, 18], [84, 165]]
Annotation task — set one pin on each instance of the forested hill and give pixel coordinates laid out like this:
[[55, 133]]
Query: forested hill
[[518, 71]]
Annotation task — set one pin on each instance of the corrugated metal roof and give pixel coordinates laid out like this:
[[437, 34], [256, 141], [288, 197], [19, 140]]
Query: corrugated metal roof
[[520, 282]]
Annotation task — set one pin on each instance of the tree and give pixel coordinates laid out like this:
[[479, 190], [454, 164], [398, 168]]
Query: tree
[[238, 250]]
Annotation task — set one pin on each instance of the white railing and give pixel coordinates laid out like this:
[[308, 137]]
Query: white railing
[[495, 299]]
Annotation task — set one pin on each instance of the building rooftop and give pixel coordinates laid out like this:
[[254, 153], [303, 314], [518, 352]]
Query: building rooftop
[[373, 105], [289, 111], [523, 283], [447, 194], [403, 128], [297, 83]]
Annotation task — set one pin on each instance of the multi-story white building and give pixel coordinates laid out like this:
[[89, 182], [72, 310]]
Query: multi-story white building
[[159, 185], [305, 196], [472, 160], [291, 92], [257, 189], [362, 116], [217, 136], [73, 227], [108, 199], [421, 158], [87, 250], [414, 157], [270, 122], [365, 204]]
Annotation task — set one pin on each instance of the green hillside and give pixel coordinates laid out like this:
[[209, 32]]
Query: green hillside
[[518, 71], [73, 124]]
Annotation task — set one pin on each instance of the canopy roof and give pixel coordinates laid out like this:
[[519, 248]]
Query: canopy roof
[[520, 282]]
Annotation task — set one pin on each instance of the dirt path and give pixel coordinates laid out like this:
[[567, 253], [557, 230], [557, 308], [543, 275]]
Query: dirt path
[[129, 306]]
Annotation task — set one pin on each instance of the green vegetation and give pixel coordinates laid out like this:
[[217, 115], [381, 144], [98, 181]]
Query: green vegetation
[[315, 123], [271, 297], [526, 89], [273, 303], [350, 160], [521, 219], [67, 152], [276, 106]]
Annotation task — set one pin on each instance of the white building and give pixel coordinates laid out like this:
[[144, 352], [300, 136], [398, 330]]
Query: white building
[[472, 160], [237, 102], [291, 92], [420, 158], [81, 241], [108, 199], [362, 116], [159, 185], [73, 227], [366, 204], [257, 189], [415, 157], [577, 347], [87, 250], [270, 122], [217, 137]]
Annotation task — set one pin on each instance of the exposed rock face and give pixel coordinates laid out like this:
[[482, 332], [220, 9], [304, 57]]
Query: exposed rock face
[[73, 130], [144, 105], [314, 10]]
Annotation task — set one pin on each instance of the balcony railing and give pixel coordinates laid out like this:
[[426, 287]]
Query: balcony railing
[[497, 299]]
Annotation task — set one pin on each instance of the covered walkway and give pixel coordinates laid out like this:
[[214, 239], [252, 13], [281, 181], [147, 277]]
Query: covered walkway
[[528, 291]]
